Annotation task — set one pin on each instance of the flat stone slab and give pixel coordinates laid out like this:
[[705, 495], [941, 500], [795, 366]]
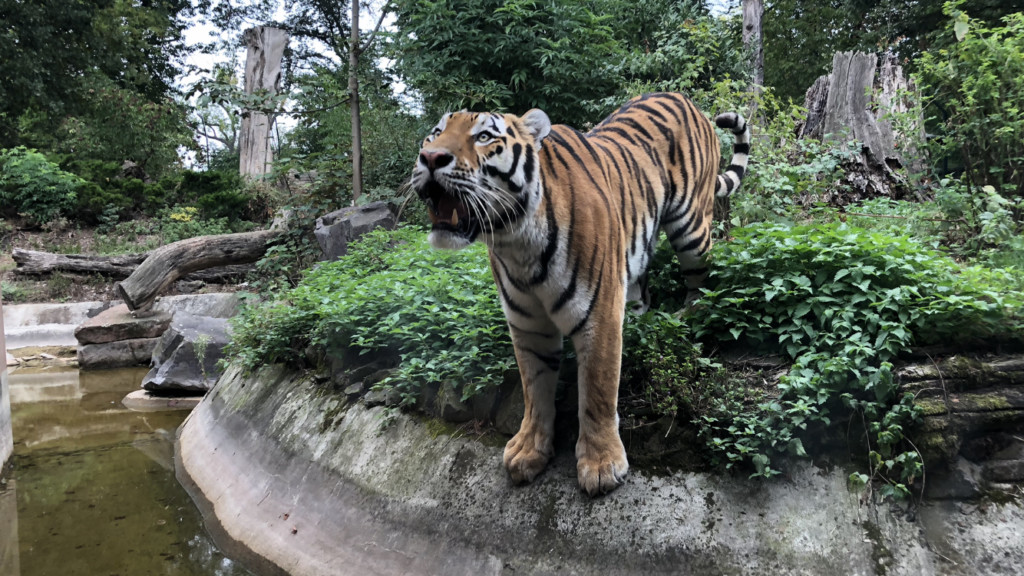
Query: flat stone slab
[[146, 401], [120, 354], [119, 323]]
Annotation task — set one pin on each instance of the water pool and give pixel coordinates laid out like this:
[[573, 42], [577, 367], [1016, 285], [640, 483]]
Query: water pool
[[91, 489]]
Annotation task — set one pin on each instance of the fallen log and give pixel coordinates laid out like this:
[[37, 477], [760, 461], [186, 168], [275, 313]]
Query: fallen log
[[167, 264], [36, 263]]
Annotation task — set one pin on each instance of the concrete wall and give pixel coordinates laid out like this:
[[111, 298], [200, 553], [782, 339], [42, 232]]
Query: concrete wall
[[291, 481], [6, 434]]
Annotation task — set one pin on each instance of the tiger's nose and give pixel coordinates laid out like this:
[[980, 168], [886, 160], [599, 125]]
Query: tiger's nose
[[434, 159]]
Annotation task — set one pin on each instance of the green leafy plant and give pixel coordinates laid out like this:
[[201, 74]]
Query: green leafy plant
[[433, 313], [973, 88], [199, 347], [842, 303], [13, 292], [33, 186], [977, 218]]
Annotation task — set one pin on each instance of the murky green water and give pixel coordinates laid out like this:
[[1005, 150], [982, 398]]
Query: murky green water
[[92, 489]]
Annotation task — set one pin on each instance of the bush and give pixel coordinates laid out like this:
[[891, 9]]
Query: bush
[[230, 204], [34, 187], [974, 90], [195, 185], [435, 313], [118, 124], [842, 302]]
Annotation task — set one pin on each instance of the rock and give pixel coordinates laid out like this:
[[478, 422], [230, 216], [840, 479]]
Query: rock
[[449, 405], [1004, 471], [119, 323], [11, 360], [214, 304], [336, 230], [146, 401], [403, 498], [378, 397], [176, 359], [136, 352], [959, 480], [510, 412]]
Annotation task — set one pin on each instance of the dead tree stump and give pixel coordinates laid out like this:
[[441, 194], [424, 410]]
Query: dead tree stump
[[858, 101], [262, 75]]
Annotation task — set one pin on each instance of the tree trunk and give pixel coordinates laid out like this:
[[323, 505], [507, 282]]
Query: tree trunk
[[855, 102], [33, 263], [353, 102], [168, 263], [753, 39], [262, 76]]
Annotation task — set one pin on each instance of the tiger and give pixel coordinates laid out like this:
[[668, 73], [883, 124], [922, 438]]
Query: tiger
[[571, 222]]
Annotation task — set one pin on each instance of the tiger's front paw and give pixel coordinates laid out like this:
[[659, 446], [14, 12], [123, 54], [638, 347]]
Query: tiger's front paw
[[602, 470], [526, 454]]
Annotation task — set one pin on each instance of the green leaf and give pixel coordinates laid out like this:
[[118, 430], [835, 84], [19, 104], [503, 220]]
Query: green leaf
[[960, 28]]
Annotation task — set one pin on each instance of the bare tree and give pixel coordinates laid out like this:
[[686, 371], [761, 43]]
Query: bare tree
[[753, 40], [262, 76], [355, 51]]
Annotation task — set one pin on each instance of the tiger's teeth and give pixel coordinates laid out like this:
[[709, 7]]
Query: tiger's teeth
[[455, 217]]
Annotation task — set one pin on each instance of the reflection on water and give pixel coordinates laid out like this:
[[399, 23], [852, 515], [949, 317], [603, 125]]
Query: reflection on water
[[92, 488]]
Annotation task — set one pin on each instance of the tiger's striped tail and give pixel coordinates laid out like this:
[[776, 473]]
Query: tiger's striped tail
[[729, 181]]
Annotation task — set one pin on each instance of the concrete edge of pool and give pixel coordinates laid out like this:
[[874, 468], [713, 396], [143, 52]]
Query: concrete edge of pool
[[292, 481]]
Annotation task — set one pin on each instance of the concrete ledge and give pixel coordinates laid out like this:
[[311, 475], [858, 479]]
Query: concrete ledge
[[47, 324], [291, 481]]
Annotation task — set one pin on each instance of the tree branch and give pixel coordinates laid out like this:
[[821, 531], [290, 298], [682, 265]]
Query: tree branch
[[373, 35]]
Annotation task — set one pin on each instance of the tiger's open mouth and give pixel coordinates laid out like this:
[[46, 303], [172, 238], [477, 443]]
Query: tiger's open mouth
[[447, 212]]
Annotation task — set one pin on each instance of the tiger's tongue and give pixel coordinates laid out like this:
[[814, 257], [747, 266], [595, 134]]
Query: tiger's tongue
[[450, 210]]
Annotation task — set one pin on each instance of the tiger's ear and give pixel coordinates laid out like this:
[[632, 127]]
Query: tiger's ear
[[538, 123]]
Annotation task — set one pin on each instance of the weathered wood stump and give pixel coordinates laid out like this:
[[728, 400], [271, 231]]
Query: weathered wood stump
[[266, 47], [858, 101]]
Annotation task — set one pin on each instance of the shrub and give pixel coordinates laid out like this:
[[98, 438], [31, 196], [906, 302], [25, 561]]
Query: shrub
[[230, 204], [118, 124], [34, 187], [974, 89], [977, 219], [841, 302], [13, 293], [196, 185], [436, 313]]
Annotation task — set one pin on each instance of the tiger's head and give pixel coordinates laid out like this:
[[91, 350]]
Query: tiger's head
[[478, 173]]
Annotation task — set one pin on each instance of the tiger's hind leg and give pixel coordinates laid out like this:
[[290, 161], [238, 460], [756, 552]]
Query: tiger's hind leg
[[690, 237], [538, 348], [638, 295]]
